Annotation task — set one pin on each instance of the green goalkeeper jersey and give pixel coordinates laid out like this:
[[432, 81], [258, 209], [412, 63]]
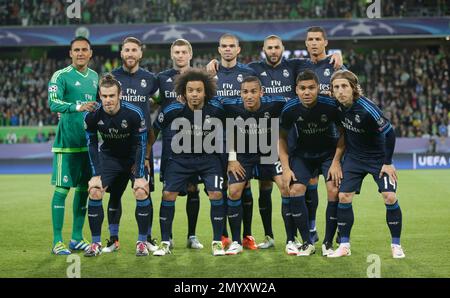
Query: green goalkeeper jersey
[[68, 88]]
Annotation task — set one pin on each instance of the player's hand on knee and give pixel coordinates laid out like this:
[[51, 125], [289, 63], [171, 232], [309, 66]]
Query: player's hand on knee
[[390, 171], [335, 173], [287, 177], [236, 169], [148, 165], [140, 188], [95, 188]]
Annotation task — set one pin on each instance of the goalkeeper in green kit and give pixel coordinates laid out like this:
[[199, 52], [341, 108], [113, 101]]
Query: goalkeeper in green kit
[[71, 91]]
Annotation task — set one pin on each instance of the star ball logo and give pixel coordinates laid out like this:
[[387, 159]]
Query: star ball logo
[[374, 10], [73, 11]]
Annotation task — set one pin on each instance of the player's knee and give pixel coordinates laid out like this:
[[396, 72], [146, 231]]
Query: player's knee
[[389, 198], [192, 187], [95, 194], [333, 194], [345, 197], [314, 181], [297, 189], [215, 195], [140, 194], [234, 191], [265, 185], [169, 196]]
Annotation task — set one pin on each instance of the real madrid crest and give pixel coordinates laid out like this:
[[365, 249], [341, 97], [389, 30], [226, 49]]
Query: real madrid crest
[[357, 119], [143, 83], [240, 78], [327, 72], [324, 118], [267, 115], [124, 123], [161, 117], [285, 73]]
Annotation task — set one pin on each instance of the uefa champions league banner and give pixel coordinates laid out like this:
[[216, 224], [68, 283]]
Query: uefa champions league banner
[[210, 32]]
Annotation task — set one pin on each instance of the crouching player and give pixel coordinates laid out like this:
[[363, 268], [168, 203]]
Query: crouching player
[[248, 112], [369, 142], [192, 125], [123, 130], [316, 151]]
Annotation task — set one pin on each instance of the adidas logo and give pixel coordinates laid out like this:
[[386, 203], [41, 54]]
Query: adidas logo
[[101, 123], [77, 84], [169, 80], [263, 74]]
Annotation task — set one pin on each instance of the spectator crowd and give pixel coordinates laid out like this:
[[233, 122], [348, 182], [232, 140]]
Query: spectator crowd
[[53, 12], [412, 87]]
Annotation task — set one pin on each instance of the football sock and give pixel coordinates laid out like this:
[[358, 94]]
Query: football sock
[[300, 215], [79, 212], [142, 214], [235, 218], [150, 219], [58, 206], [225, 208], [345, 221], [247, 211], [166, 214], [192, 209], [217, 215], [286, 215], [394, 221], [312, 202], [265, 210], [95, 216], [330, 221], [114, 214]]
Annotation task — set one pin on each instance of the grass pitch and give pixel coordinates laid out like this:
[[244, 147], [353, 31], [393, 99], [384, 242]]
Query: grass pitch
[[424, 197]]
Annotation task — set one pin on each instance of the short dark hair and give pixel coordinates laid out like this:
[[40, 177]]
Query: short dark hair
[[306, 76], [108, 80], [195, 74], [317, 29], [229, 35], [80, 38], [251, 79], [132, 40]]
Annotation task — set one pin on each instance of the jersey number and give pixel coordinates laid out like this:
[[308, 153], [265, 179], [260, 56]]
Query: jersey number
[[218, 182], [390, 182]]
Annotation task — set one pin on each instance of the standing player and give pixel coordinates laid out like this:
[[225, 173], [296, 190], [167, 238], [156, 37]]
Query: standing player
[[124, 133], [71, 91], [181, 55], [198, 89], [137, 85], [314, 118], [370, 142], [277, 76], [230, 75], [255, 111], [316, 43]]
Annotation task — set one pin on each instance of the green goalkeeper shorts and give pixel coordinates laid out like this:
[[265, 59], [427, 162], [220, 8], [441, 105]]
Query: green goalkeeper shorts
[[71, 169]]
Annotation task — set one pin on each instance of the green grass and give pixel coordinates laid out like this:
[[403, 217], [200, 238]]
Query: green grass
[[26, 236]]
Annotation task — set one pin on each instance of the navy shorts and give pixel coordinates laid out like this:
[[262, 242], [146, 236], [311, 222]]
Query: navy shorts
[[354, 171], [306, 168], [117, 172], [254, 169], [181, 170]]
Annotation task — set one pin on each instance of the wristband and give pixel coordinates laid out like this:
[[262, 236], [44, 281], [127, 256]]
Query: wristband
[[232, 156]]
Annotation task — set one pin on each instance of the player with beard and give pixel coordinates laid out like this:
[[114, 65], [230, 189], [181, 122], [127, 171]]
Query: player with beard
[[138, 85], [181, 55], [277, 75]]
